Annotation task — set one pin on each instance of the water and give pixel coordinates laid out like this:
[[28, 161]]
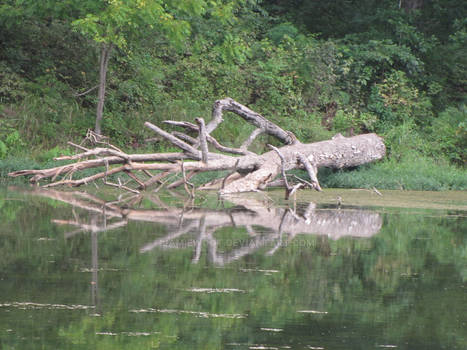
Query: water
[[252, 272]]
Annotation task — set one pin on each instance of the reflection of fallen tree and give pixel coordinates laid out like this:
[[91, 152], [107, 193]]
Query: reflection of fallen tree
[[267, 227]]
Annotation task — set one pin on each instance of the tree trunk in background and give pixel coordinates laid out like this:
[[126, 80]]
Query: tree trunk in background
[[103, 66], [409, 5]]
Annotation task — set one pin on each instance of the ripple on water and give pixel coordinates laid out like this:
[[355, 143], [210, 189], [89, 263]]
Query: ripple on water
[[35, 306], [271, 329], [128, 334], [260, 270], [187, 312], [313, 312], [215, 290]]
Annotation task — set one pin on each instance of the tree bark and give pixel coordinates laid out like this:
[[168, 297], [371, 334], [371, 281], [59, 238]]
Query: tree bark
[[248, 171], [103, 67]]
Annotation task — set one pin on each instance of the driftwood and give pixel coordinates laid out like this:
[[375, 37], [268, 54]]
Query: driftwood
[[269, 228], [248, 171]]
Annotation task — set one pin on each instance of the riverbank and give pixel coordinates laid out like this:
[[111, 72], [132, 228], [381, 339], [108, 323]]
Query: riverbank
[[411, 173]]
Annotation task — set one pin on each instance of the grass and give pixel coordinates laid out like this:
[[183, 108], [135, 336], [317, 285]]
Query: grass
[[411, 173], [12, 164]]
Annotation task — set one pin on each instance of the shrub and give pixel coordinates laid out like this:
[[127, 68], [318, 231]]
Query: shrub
[[449, 135]]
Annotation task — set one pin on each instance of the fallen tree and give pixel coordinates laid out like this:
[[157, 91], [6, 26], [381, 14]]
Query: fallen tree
[[248, 171]]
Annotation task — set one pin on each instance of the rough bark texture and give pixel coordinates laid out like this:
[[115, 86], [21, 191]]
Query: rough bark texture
[[338, 153], [248, 171]]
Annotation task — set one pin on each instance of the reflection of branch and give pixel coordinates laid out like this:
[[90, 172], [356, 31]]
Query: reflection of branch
[[281, 228], [91, 228], [165, 240], [278, 225], [249, 247], [202, 237]]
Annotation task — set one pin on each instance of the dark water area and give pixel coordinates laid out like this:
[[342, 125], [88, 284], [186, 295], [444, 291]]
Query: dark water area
[[80, 271]]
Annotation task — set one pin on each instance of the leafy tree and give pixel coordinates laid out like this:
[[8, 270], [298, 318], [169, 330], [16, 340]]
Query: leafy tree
[[115, 22]]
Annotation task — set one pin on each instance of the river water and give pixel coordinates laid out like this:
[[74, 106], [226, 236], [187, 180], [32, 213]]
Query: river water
[[339, 270]]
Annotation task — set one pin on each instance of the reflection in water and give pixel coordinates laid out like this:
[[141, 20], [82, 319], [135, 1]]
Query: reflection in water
[[36, 306], [290, 283], [215, 290], [188, 312], [267, 227]]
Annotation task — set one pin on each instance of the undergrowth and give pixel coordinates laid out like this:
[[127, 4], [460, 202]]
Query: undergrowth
[[409, 173]]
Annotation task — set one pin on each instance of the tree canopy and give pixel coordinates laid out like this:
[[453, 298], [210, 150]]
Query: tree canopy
[[397, 68]]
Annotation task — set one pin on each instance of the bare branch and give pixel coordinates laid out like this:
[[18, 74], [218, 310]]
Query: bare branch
[[247, 143], [228, 175], [222, 148], [95, 138], [134, 177], [217, 184], [192, 127], [78, 146], [119, 185], [284, 175], [175, 141], [185, 137], [187, 125], [96, 152], [186, 183], [202, 139], [86, 92], [162, 184], [309, 184], [87, 179], [250, 116], [154, 179], [377, 192], [181, 181], [311, 170]]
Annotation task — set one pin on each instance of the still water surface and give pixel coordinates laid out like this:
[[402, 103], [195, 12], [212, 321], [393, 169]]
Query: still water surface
[[79, 271]]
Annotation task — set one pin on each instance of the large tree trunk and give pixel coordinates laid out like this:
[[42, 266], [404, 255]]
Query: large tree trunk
[[340, 152], [248, 171]]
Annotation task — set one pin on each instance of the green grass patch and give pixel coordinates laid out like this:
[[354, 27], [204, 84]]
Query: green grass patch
[[410, 173], [13, 164]]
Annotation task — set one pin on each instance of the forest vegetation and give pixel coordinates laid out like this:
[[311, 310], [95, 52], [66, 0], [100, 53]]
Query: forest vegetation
[[397, 68]]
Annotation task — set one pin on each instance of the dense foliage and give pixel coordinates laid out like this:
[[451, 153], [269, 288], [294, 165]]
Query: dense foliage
[[397, 68]]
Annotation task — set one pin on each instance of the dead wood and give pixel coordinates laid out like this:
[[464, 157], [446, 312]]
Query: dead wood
[[247, 170]]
